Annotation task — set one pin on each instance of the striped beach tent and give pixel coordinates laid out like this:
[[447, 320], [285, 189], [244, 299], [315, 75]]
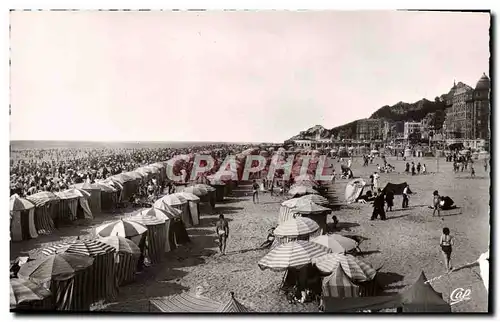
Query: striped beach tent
[[178, 201], [285, 212], [22, 215], [26, 295], [357, 270], [67, 276], [293, 254], [95, 195], [311, 210], [337, 243], [220, 189], [193, 204], [232, 306], [45, 211], [186, 303], [156, 236], [338, 284], [127, 255], [103, 284], [121, 228], [70, 200], [168, 215]]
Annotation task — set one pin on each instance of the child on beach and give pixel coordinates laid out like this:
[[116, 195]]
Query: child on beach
[[222, 230], [446, 242], [435, 203], [255, 193]]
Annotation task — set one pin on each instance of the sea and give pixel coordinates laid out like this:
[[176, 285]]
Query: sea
[[37, 145]]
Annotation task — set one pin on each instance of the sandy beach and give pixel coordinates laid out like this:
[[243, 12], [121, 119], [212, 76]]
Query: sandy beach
[[401, 247]]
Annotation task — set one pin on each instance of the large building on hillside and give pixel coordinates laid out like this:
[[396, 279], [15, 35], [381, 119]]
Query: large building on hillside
[[370, 129], [468, 113]]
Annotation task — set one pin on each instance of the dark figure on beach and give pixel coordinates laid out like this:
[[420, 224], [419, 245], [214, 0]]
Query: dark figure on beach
[[446, 203], [446, 243], [418, 168], [412, 169], [407, 168], [378, 206], [389, 199], [255, 193], [335, 222], [485, 165], [270, 239], [472, 171], [406, 192], [436, 203], [222, 230]]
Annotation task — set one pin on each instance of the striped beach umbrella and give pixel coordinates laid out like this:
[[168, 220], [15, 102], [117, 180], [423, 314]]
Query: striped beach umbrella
[[121, 244], [309, 207], [20, 204], [204, 186], [161, 214], [189, 196], [300, 190], [355, 269], [293, 254], [55, 267], [121, 228], [337, 243], [146, 220], [232, 306], [88, 247], [159, 204], [294, 227], [41, 198], [317, 199], [186, 303], [174, 199], [22, 290], [339, 285]]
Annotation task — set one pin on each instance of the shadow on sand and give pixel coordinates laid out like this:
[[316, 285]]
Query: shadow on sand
[[227, 209], [385, 279], [341, 226]]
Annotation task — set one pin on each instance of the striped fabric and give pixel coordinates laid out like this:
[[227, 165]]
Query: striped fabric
[[19, 204], [126, 258], [67, 277], [293, 254], [72, 194], [337, 243], [171, 211], [122, 228], [26, 291], [355, 269], [317, 199], [157, 237], [174, 199], [285, 214], [121, 245], [145, 220], [43, 220], [339, 285], [294, 227], [353, 189], [299, 190], [197, 191], [160, 213], [232, 306], [189, 196], [103, 284], [41, 198], [186, 303], [309, 207]]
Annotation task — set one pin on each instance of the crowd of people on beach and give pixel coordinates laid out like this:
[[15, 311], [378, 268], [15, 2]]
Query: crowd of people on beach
[[54, 170]]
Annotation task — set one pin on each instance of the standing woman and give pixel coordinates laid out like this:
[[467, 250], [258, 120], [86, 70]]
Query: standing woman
[[446, 242]]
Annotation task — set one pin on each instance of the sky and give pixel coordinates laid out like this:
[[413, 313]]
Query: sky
[[229, 76]]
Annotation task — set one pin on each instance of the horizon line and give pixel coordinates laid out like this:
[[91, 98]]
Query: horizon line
[[143, 141]]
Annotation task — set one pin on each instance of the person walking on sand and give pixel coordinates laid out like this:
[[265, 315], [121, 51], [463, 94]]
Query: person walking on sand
[[418, 168], [446, 243], [406, 192], [412, 168], [435, 203], [472, 171], [485, 165], [222, 230], [255, 194], [389, 199], [424, 169], [378, 206]]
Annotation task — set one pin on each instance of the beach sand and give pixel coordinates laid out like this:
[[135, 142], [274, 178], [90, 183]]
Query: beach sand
[[402, 246]]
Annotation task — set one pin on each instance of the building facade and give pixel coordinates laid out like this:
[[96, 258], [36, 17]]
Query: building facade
[[370, 129], [468, 113], [411, 127]]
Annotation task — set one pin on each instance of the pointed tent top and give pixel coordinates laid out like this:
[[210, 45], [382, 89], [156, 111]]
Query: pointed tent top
[[423, 294]]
